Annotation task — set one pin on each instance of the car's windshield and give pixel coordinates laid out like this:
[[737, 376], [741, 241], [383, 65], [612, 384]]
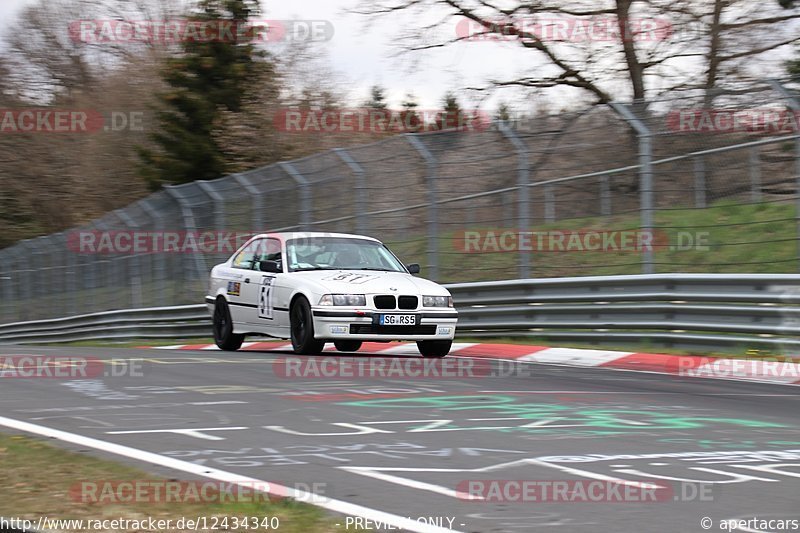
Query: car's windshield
[[340, 253]]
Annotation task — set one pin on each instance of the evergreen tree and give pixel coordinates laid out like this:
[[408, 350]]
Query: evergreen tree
[[503, 113], [377, 98], [452, 116], [411, 120], [793, 65], [208, 77]]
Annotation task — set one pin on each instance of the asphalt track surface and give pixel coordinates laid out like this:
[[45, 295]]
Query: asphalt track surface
[[407, 447]]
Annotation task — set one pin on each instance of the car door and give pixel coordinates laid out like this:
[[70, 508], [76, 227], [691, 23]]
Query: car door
[[240, 297], [260, 286]]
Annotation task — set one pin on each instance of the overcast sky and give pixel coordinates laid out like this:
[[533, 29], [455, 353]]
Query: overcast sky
[[364, 53]]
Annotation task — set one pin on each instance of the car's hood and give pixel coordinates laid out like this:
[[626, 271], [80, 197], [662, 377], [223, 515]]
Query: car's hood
[[372, 282]]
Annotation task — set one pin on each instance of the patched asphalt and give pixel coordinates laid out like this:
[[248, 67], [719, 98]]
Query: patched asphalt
[[405, 445]]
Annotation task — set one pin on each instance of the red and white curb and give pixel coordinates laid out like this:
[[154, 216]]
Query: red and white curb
[[683, 365]]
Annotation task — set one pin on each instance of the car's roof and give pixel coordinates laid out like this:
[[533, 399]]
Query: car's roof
[[288, 235]]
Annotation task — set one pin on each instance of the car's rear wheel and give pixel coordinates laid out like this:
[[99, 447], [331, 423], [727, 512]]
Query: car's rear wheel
[[224, 337], [347, 346], [434, 349], [302, 329]]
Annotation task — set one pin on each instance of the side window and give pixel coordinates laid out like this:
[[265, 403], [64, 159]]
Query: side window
[[271, 251], [256, 251]]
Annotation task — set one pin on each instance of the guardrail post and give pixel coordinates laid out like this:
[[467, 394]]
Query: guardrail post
[[699, 182], [189, 225], [523, 192], [257, 199], [361, 188], [645, 177], [794, 105], [433, 207], [306, 198]]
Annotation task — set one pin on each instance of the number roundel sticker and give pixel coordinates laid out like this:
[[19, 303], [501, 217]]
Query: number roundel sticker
[[265, 298]]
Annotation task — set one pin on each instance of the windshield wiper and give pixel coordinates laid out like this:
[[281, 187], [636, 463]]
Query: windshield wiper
[[309, 269], [373, 269]]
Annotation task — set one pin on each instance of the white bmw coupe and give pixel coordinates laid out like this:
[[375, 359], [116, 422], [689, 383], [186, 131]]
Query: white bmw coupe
[[315, 288]]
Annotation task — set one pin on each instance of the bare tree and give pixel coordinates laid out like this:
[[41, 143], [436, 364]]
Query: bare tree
[[646, 46]]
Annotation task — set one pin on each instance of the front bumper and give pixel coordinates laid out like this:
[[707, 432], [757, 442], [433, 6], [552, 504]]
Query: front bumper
[[354, 324]]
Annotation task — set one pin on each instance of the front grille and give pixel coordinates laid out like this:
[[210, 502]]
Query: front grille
[[386, 301], [372, 329], [407, 302]]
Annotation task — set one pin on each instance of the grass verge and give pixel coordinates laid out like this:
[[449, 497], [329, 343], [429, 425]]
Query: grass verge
[[40, 480]]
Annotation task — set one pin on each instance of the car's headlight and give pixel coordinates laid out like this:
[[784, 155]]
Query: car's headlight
[[350, 300], [437, 301]]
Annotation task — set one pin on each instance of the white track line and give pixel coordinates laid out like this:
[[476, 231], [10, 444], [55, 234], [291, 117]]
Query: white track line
[[337, 506]]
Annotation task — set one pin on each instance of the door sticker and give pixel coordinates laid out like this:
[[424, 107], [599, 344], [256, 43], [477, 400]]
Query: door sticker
[[265, 298]]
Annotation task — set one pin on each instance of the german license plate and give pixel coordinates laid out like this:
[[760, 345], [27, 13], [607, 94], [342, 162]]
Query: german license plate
[[397, 320]]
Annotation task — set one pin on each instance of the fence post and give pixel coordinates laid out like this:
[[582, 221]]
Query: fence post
[[549, 204], [189, 225], [605, 196], [258, 202], [793, 104], [159, 275], [645, 177], [361, 188], [699, 182], [306, 198], [524, 194], [755, 174], [26, 282], [433, 207], [135, 262], [8, 283], [217, 200]]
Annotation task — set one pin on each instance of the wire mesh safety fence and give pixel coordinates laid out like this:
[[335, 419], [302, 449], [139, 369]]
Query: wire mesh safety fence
[[706, 184]]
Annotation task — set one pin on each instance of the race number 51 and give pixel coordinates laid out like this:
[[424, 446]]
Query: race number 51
[[265, 298]]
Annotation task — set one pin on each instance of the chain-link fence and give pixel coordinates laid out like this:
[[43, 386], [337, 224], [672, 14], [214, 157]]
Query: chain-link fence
[[678, 185]]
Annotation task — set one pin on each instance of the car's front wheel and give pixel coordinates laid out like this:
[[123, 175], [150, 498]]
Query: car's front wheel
[[224, 337], [347, 346], [434, 349], [302, 329]]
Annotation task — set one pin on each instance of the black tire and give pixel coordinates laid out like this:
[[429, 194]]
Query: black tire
[[301, 324], [347, 346], [434, 349], [224, 337]]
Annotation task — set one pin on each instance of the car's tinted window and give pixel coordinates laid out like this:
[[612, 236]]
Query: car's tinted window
[[258, 250], [340, 253]]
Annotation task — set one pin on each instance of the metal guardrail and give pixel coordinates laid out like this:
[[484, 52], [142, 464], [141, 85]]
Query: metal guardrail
[[666, 310]]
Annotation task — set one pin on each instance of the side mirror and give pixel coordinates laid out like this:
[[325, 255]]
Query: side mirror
[[270, 266], [414, 268]]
